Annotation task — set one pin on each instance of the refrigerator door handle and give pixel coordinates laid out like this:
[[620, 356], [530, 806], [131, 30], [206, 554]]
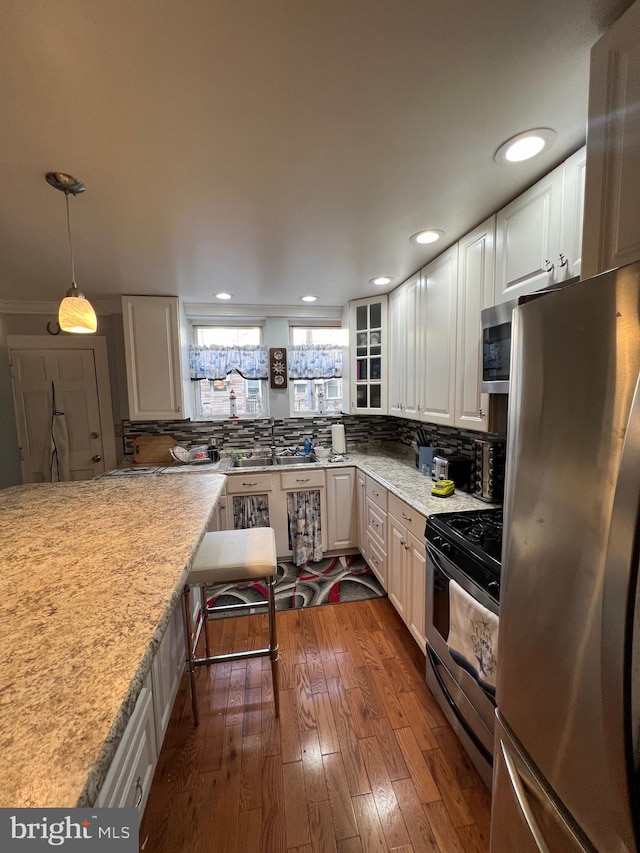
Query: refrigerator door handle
[[521, 796], [620, 596]]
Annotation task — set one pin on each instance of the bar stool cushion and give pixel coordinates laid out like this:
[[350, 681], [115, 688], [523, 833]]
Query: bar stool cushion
[[234, 555]]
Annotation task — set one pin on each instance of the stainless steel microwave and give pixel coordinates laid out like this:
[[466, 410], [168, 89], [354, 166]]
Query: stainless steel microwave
[[496, 347]]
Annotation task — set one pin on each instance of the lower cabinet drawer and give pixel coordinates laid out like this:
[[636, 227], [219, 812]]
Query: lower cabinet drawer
[[407, 516], [128, 781], [245, 484], [302, 480], [376, 493], [377, 560], [377, 525]]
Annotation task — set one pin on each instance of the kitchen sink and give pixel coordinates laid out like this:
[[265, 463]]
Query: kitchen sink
[[252, 462], [260, 461], [295, 460]]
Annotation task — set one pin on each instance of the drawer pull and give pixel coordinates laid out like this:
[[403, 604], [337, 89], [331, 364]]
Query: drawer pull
[[302, 480], [250, 484], [375, 523], [136, 805], [375, 494], [406, 517]]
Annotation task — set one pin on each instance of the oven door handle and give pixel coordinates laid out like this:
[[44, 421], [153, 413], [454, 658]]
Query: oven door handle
[[437, 563], [435, 661]]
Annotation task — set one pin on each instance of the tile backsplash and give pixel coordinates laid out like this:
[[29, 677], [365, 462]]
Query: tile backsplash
[[362, 432]]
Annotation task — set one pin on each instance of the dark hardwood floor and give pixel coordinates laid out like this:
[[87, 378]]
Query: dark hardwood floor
[[361, 758]]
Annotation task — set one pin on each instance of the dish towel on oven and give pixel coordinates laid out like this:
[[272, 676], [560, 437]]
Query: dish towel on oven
[[473, 637]]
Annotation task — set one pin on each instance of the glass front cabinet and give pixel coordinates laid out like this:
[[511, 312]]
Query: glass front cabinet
[[368, 356]]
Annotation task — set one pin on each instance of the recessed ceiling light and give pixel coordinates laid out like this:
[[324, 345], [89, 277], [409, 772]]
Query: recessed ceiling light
[[524, 146], [381, 280], [309, 298], [428, 236], [223, 296]]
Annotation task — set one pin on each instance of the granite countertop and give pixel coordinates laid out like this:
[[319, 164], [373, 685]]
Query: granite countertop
[[399, 475], [91, 573]]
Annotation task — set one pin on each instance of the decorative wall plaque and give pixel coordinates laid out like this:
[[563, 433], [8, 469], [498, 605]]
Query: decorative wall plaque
[[278, 367]]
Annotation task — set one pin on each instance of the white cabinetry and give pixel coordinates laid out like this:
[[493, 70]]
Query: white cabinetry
[[262, 507], [129, 777], [166, 671], [475, 292], [341, 509], [155, 353], [438, 322], [368, 348], [407, 566], [404, 360], [300, 480], [539, 234], [612, 195], [376, 545]]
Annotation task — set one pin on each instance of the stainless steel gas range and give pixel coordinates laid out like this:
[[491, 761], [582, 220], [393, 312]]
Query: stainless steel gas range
[[463, 547]]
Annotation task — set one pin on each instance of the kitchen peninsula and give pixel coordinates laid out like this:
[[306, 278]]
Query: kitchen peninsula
[[91, 573]]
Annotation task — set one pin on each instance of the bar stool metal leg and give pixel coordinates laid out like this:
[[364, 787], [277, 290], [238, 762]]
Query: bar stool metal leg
[[274, 656], [205, 620], [190, 654]]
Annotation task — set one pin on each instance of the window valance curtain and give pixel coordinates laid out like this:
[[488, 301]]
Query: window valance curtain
[[315, 361], [250, 362]]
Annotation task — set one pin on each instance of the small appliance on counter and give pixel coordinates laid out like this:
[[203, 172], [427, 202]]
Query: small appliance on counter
[[443, 488], [455, 468]]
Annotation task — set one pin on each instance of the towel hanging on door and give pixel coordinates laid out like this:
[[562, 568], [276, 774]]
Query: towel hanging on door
[[473, 637], [305, 532], [56, 468]]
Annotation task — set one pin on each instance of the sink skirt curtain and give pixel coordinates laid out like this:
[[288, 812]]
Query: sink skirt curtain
[[250, 511], [305, 532]]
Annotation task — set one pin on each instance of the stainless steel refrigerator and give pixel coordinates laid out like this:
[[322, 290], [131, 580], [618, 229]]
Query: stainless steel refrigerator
[[567, 758]]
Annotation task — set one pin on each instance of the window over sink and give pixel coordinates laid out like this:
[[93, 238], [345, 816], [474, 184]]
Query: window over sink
[[315, 350], [228, 359]]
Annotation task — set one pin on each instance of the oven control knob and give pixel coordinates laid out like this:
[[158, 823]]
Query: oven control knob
[[446, 548], [493, 587], [437, 541]]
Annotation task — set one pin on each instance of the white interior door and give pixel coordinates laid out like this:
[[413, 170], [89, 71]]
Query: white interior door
[[72, 374]]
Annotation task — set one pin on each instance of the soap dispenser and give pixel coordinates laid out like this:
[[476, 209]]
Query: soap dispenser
[[308, 446]]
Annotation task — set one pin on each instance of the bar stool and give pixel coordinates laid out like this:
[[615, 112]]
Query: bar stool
[[232, 556]]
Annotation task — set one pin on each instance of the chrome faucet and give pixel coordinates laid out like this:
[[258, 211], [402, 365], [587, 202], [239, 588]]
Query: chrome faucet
[[272, 425]]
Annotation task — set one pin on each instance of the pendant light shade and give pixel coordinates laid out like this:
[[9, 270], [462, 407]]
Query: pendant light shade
[[76, 313]]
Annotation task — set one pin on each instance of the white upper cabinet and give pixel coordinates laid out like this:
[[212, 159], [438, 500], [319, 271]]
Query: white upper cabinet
[[475, 292], [438, 325], [368, 348], [612, 195], [435, 335], [538, 235], [154, 357], [528, 239], [404, 361]]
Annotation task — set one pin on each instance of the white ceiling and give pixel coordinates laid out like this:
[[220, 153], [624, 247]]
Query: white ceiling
[[271, 148]]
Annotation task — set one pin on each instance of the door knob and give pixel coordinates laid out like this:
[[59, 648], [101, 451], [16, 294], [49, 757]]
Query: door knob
[[96, 458]]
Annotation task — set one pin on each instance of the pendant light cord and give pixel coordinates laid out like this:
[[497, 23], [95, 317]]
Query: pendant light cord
[[73, 267]]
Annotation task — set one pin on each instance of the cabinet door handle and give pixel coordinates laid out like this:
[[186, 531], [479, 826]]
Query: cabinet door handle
[[250, 484], [178, 409], [136, 805], [563, 261], [96, 458], [375, 523], [549, 267]]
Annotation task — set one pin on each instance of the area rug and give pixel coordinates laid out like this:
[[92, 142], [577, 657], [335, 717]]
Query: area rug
[[330, 581]]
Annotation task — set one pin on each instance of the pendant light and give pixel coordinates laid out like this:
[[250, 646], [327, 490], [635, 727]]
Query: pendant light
[[76, 313]]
